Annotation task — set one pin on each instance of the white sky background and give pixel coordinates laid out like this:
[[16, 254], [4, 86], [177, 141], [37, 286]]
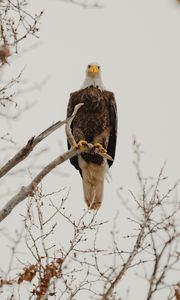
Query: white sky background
[[137, 45]]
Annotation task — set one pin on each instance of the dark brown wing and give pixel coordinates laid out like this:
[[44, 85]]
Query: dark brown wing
[[111, 148]]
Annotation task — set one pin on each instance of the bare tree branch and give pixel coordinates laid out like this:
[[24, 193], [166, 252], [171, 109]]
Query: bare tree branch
[[24, 152], [28, 148], [84, 3], [28, 190], [128, 262], [70, 137]]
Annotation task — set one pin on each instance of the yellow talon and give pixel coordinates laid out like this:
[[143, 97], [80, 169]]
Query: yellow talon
[[100, 148], [80, 144]]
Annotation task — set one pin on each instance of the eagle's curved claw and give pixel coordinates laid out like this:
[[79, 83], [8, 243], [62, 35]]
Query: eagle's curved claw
[[80, 144], [99, 148]]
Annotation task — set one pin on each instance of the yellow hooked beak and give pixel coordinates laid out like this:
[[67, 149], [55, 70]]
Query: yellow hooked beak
[[93, 69]]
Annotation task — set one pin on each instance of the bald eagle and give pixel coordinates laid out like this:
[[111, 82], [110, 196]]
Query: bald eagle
[[96, 123]]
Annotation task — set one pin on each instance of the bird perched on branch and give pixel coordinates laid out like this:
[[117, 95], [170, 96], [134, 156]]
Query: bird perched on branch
[[96, 123]]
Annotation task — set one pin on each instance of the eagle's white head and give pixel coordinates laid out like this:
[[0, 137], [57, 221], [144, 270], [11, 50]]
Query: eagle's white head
[[93, 76]]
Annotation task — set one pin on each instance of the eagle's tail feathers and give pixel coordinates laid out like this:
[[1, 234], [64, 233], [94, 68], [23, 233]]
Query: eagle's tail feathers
[[93, 184]]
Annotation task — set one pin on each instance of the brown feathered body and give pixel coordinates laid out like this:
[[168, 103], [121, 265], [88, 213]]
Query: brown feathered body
[[95, 122]]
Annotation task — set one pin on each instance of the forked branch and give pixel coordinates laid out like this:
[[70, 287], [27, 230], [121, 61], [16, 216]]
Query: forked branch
[[28, 148], [28, 190]]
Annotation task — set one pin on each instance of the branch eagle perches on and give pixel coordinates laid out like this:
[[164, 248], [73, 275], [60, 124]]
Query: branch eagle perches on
[[28, 190]]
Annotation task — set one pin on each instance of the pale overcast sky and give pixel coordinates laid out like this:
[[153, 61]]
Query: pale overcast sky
[[137, 44]]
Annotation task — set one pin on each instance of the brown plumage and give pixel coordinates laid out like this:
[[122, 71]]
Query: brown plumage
[[95, 122]]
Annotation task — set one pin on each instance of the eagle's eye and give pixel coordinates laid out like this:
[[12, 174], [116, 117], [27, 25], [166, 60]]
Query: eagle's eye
[[89, 66], [98, 67]]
